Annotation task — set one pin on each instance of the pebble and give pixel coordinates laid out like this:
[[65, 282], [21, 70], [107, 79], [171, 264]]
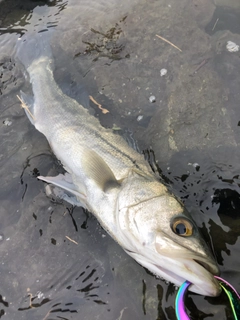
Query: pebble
[[163, 72], [40, 294], [7, 122], [196, 165], [152, 99], [232, 46]]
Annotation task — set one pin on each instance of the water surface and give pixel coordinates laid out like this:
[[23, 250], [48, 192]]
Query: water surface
[[191, 132]]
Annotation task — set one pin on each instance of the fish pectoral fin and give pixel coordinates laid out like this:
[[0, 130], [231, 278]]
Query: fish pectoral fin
[[64, 181], [98, 170]]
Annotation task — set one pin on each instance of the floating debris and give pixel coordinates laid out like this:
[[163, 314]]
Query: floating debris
[[116, 128], [195, 165], [205, 61], [104, 111], [232, 46], [24, 106], [215, 24], [152, 99], [71, 240], [7, 122], [169, 42], [163, 72]]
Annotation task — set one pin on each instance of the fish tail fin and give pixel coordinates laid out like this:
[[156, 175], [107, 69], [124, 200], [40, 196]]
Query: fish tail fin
[[35, 50]]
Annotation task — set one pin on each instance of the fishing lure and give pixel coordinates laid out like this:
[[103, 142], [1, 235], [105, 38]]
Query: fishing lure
[[232, 294]]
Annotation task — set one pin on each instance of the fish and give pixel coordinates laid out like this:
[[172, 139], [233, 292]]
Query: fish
[[114, 182]]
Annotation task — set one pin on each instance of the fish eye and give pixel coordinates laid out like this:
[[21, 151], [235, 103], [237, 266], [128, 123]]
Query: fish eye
[[182, 227]]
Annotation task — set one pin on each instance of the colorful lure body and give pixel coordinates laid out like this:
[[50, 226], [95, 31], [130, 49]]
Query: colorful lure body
[[232, 294], [179, 302]]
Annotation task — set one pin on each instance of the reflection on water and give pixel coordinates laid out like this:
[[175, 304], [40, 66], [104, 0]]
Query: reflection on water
[[30, 16], [56, 261]]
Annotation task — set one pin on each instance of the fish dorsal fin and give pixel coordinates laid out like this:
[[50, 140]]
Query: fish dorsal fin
[[98, 170]]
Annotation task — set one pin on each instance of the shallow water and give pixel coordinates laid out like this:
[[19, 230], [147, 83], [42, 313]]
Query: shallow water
[[192, 131]]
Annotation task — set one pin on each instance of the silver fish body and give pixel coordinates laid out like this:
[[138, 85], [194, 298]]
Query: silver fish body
[[117, 185]]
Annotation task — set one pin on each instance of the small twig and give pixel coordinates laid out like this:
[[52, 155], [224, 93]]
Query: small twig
[[99, 105], [205, 61], [121, 313], [71, 240], [24, 106], [168, 42], [215, 24], [30, 302], [47, 315]]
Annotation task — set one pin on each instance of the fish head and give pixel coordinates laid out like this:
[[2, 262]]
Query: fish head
[[157, 231]]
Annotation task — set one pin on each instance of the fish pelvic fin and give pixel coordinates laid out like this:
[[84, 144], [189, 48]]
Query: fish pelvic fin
[[98, 170], [57, 195], [65, 189]]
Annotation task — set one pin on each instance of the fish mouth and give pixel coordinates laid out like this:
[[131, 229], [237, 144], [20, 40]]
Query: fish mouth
[[199, 271], [207, 266]]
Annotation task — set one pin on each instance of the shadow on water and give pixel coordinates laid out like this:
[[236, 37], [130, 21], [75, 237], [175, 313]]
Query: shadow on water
[[56, 261], [224, 18]]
